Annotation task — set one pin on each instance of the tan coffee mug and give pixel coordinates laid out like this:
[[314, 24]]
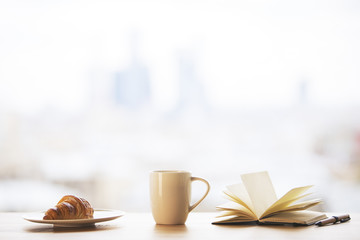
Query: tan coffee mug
[[170, 193]]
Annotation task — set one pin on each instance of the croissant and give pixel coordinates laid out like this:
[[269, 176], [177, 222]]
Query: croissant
[[70, 207]]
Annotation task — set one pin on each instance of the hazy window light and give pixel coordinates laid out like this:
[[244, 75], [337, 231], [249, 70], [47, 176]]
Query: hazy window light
[[59, 62], [232, 70]]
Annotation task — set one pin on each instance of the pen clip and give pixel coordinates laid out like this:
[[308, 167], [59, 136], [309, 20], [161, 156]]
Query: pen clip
[[341, 218], [345, 219]]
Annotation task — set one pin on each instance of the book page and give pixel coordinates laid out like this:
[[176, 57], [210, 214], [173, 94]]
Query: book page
[[233, 219], [290, 197], [260, 190], [301, 205], [238, 194], [236, 209], [300, 217]]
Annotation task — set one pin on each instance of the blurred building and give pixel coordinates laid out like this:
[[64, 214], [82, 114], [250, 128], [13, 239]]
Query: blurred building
[[132, 84]]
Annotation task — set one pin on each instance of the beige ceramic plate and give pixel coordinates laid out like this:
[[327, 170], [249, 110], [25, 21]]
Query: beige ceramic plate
[[100, 215]]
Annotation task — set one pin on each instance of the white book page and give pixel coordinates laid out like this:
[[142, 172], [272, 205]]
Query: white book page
[[301, 217], [238, 192], [236, 209], [260, 190], [290, 197]]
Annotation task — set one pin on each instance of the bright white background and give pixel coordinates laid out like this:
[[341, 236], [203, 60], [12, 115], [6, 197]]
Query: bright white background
[[95, 94]]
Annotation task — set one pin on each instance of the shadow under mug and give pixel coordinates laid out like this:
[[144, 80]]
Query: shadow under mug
[[170, 193]]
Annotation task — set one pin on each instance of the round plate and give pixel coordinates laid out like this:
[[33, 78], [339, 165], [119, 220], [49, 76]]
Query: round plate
[[100, 215]]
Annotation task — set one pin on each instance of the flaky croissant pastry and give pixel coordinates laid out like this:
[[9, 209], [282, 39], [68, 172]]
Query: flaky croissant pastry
[[70, 207]]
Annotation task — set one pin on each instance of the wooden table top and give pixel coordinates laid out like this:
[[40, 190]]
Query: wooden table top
[[198, 226]]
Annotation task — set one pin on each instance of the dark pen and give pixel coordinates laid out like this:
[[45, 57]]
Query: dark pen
[[334, 219]]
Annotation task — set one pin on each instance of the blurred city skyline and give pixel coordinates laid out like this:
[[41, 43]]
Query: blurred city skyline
[[245, 55]]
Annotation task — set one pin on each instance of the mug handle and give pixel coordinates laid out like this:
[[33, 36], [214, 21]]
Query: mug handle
[[207, 191]]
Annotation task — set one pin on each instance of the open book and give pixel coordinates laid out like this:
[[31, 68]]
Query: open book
[[255, 201]]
